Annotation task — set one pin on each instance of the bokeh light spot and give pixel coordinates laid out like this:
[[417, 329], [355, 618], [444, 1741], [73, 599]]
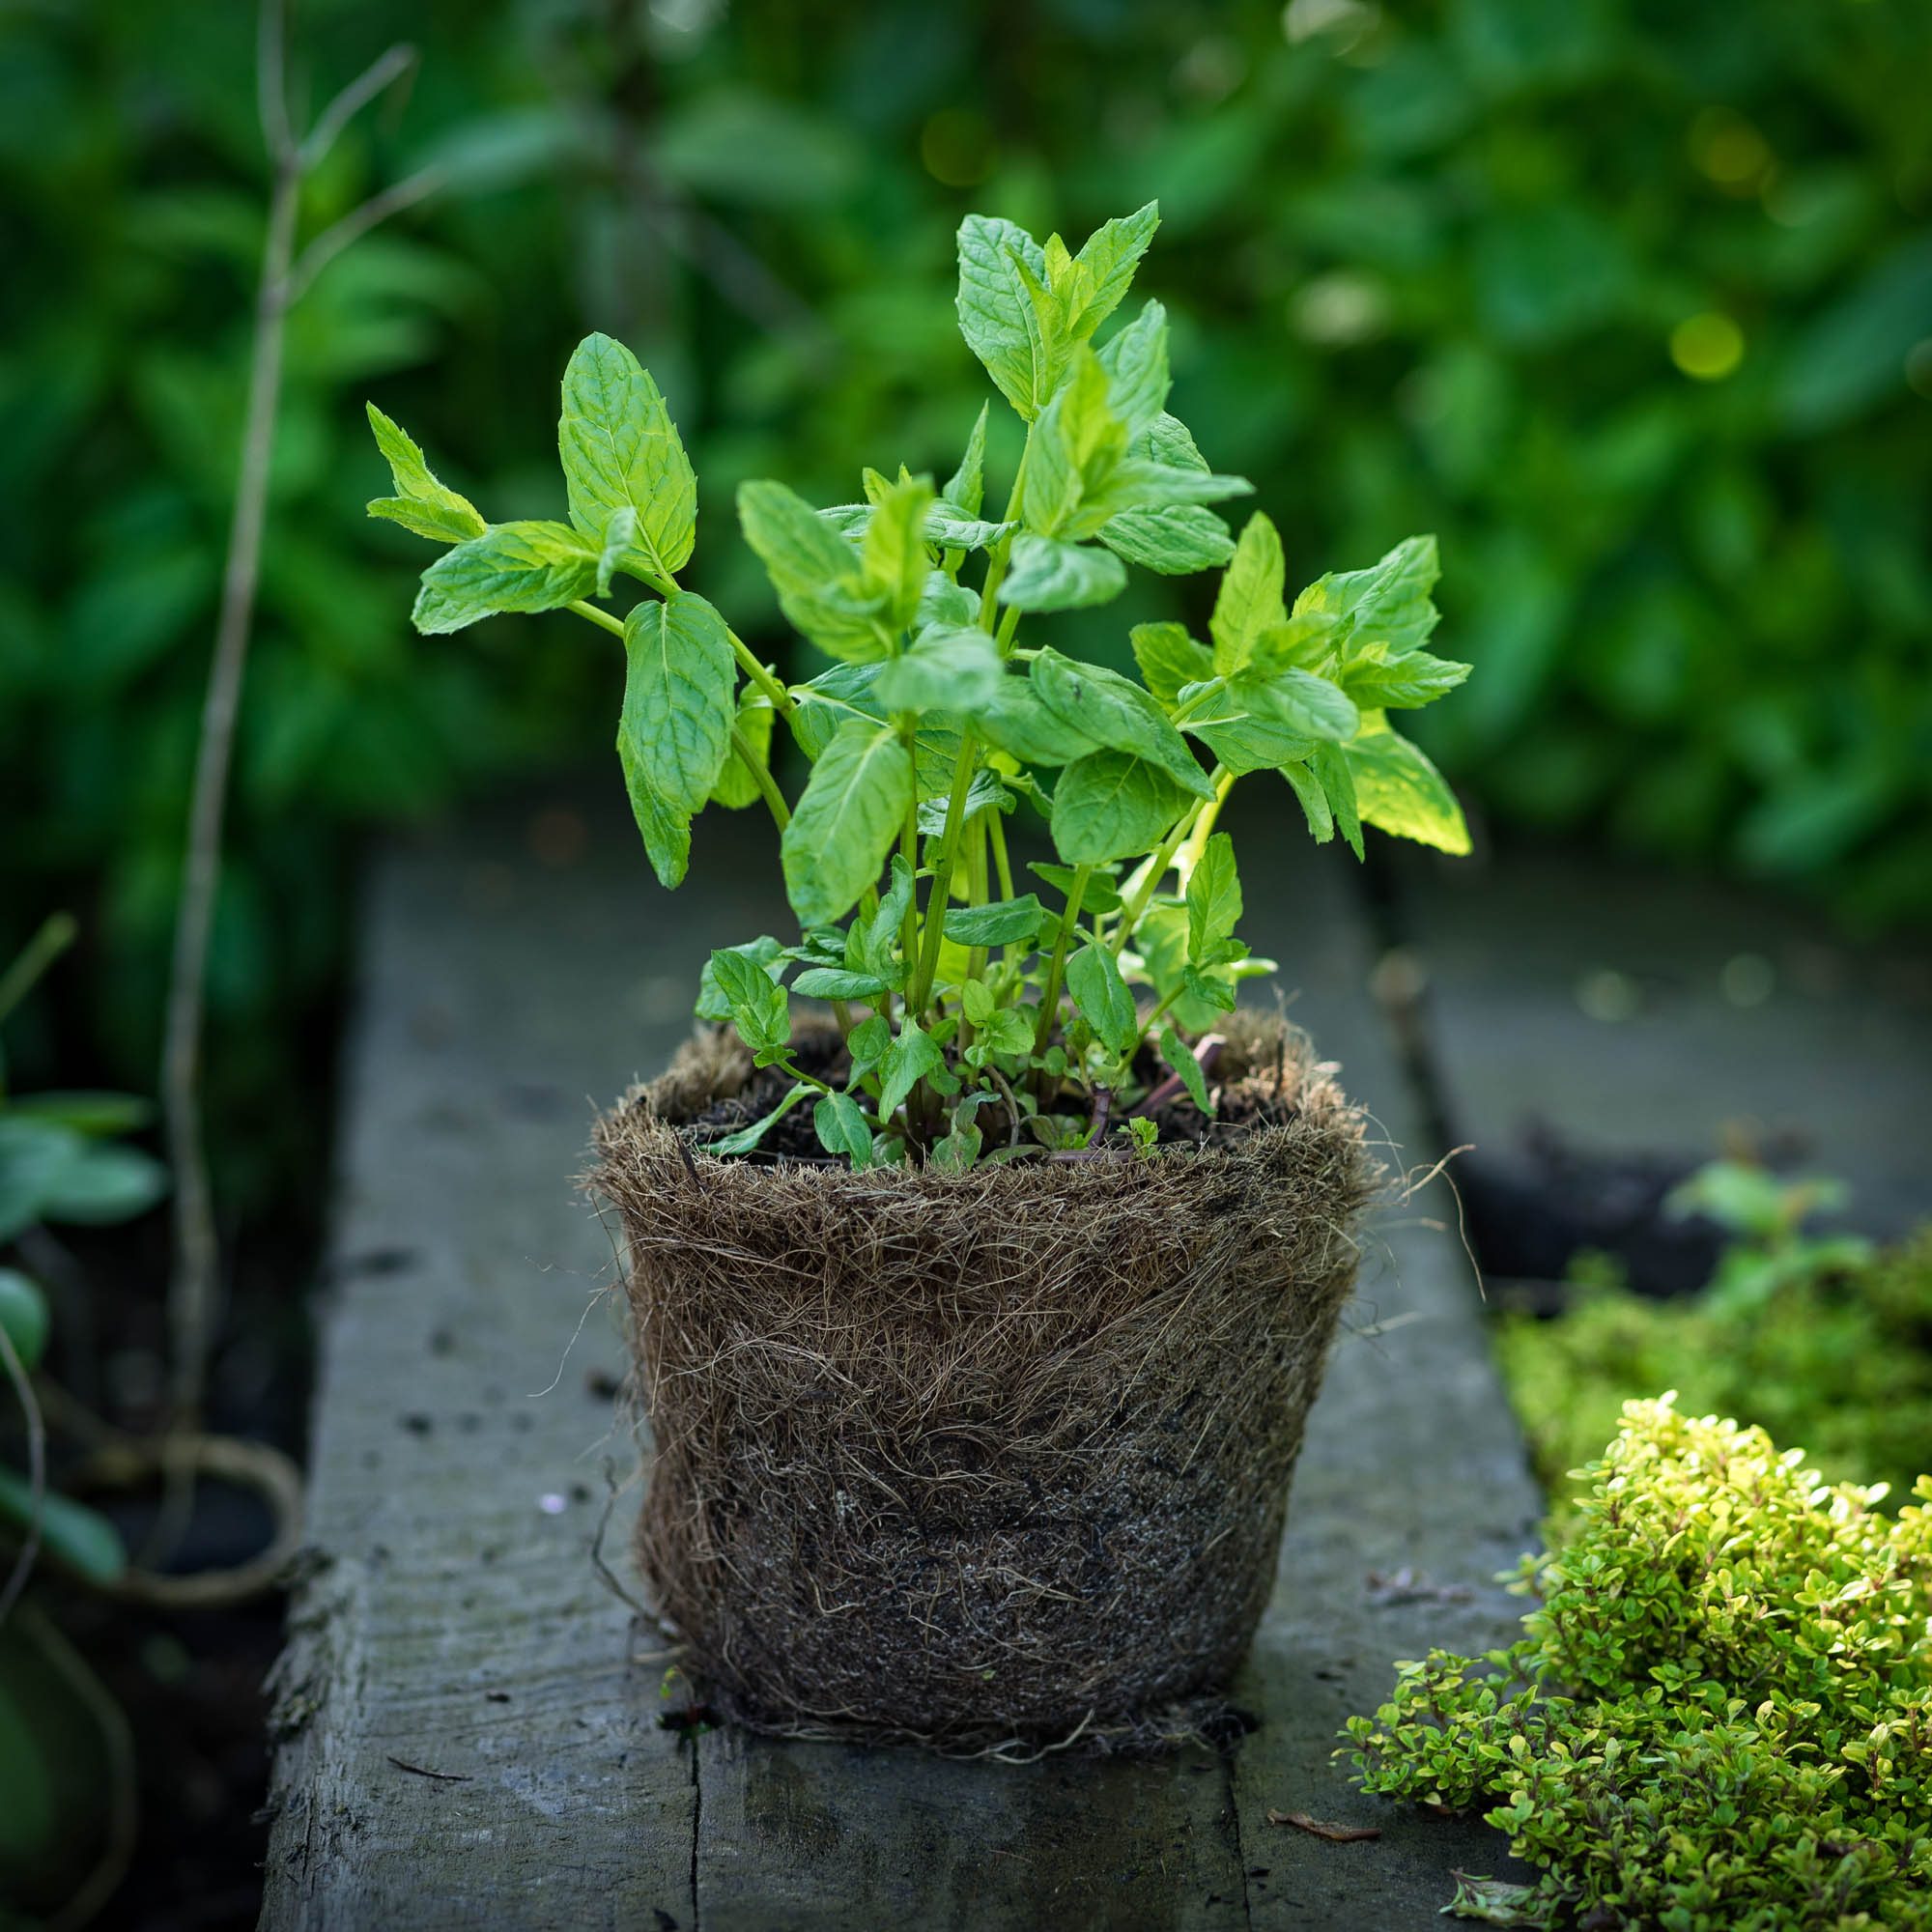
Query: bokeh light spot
[[958, 147], [1707, 347]]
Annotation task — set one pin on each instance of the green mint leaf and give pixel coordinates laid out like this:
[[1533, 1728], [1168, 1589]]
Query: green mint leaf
[[1172, 539], [1377, 681], [1019, 724], [764, 953], [850, 519], [1337, 784], [841, 1129], [1169, 658], [620, 450], [1306, 642], [758, 1007], [836, 982], [847, 820], [1210, 991], [893, 551], [846, 691], [82, 1538], [1249, 600], [1111, 805], [1135, 484], [1048, 575], [1306, 704], [525, 566], [665, 829], [674, 730], [737, 784], [868, 1042], [997, 315], [816, 572], [945, 601], [1076, 447], [1167, 440], [966, 488], [1240, 726], [1107, 264], [912, 1056], [987, 792], [945, 670], [1006, 923], [747, 1138], [1399, 790], [1213, 900], [1180, 1058], [1117, 713], [1101, 896], [420, 503], [947, 528], [879, 940], [976, 1001], [1314, 801], [619, 533], [956, 1153], [1102, 996], [24, 1315], [1389, 602], [1136, 364]]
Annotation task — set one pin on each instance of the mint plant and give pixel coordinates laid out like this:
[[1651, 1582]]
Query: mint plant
[[935, 720]]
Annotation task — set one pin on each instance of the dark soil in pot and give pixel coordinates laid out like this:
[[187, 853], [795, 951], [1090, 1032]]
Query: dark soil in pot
[[985, 1458]]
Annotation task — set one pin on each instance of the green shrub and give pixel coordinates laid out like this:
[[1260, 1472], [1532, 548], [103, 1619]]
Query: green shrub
[[1720, 1716], [1818, 1340]]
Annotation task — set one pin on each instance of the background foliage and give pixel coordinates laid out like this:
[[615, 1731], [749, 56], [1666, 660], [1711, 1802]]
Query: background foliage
[[1631, 301]]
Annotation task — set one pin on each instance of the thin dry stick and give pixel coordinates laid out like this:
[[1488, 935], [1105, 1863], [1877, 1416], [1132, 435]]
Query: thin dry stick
[[192, 1297], [37, 1473]]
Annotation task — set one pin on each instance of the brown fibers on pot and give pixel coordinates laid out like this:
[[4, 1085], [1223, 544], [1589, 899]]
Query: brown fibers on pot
[[989, 1460]]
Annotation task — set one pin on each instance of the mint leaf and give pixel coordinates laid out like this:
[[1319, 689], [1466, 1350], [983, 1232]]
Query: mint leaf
[[619, 535], [1101, 896], [1106, 264], [1213, 900], [675, 731], [763, 952], [947, 528], [1249, 600], [1314, 801], [966, 488], [1169, 658], [620, 450], [1305, 704], [1076, 446], [747, 1138], [816, 572], [841, 1129], [1173, 539], [1180, 1058], [1377, 681], [525, 566], [1390, 602], [868, 1043], [1101, 994], [757, 1005], [1019, 724], [844, 824], [1048, 575], [1111, 805], [987, 792], [1337, 777], [1007, 923], [944, 670], [1240, 726], [1116, 712], [82, 1538], [737, 784], [878, 938], [893, 552], [1399, 790], [24, 1315], [1136, 364], [836, 982], [997, 313], [421, 503], [911, 1057], [956, 1153]]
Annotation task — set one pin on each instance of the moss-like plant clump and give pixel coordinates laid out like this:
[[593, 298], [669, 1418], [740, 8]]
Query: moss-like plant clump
[[1719, 1718]]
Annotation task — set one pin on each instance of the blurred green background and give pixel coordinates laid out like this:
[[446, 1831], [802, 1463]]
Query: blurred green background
[[1631, 300]]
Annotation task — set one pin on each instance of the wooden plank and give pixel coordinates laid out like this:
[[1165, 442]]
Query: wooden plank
[[502, 995]]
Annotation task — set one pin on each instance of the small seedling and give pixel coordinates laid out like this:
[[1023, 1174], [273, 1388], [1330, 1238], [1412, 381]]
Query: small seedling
[[937, 719]]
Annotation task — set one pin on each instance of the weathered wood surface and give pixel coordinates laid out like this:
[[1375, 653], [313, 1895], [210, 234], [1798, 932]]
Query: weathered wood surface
[[467, 1732]]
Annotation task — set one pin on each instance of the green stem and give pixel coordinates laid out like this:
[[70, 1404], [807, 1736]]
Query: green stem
[[602, 619], [762, 773], [1155, 870], [781, 697], [940, 897], [1049, 1004], [1189, 855]]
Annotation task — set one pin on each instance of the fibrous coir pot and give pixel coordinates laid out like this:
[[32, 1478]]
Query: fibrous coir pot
[[987, 1458]]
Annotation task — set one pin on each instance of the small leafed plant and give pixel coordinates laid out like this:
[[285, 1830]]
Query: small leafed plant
[[936, 721]]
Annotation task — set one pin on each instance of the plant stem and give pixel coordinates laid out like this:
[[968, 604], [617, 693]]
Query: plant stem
[[1049, 1004], [1189, 855], [56, 934], [938, 899], [602, 619], [766, 783], [1154, 870], [191, 1290], [781, 701]]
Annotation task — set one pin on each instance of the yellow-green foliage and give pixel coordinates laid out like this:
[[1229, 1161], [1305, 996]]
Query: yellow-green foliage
[[1838, 1358], [1719, 1718]]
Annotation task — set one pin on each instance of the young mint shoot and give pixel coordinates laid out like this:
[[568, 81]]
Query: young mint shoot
[[985, 1023]]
